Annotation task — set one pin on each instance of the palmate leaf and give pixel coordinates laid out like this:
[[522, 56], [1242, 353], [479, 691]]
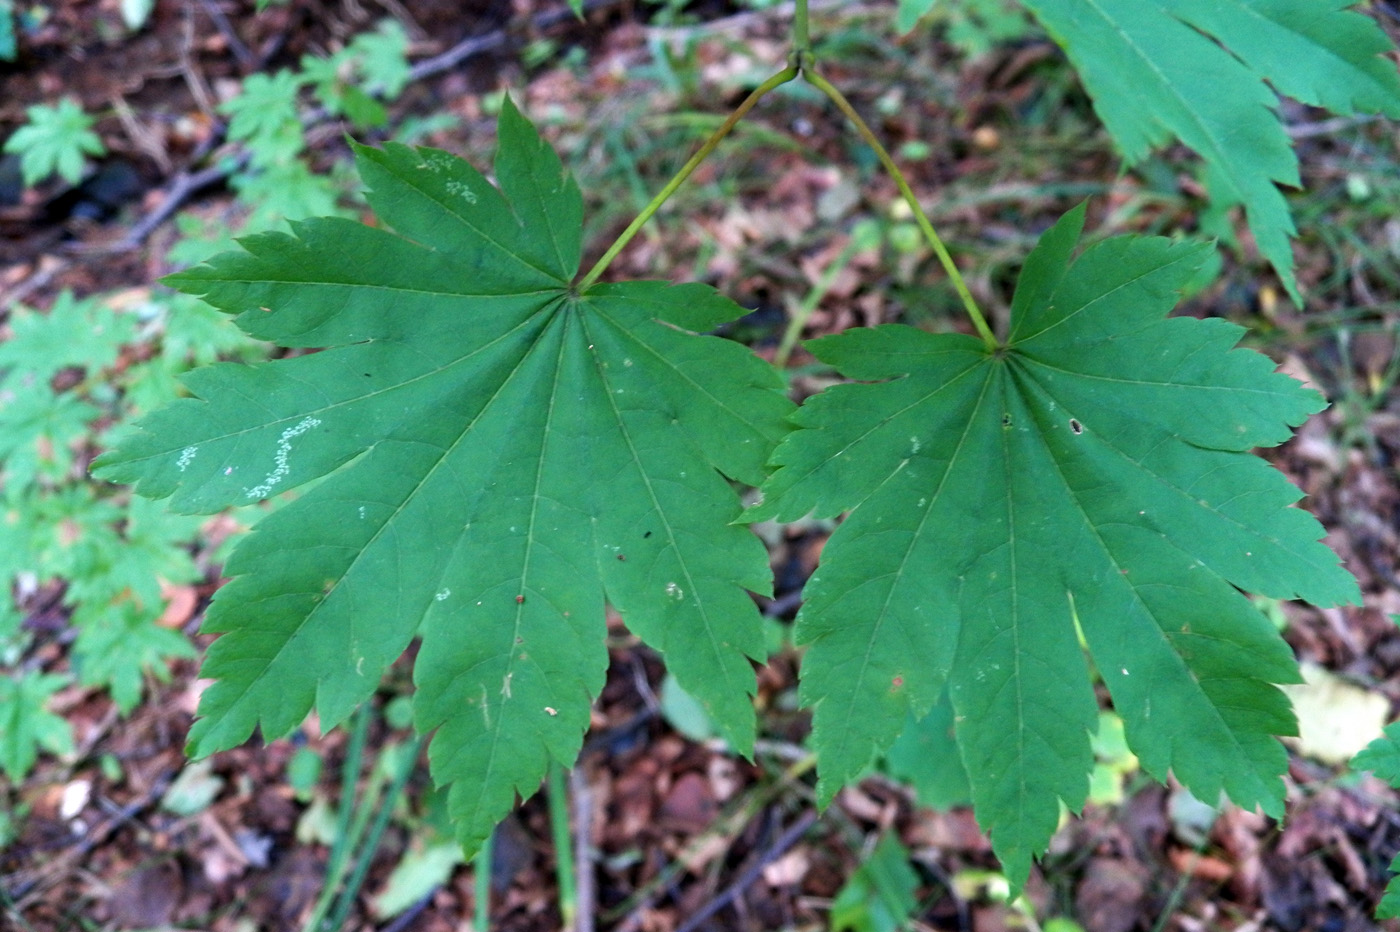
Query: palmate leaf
[[1201, 71], [1382, 757], [1092, 476], [26, 724], [502, 455], [56, 140], [117, 644]]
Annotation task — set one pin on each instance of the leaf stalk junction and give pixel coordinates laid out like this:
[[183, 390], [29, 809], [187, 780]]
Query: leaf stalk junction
[[662, 196], [801, 63]]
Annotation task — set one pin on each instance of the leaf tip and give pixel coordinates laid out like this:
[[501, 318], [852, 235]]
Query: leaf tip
[[197, 743], [101, 466], [509, 109]]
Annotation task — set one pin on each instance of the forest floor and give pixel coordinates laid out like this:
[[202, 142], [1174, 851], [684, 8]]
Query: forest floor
[[676, 832]]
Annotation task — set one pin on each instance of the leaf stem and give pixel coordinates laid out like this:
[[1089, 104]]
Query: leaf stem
[[403, 769], [801, 56], [782, 77], [844, 105], [563, 847], [481, 884], [865, 235], [345, 818]]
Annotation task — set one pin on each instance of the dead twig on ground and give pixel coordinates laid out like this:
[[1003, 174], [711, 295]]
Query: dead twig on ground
[[585, 882], [22, 886], [235, 44], [786, 840]]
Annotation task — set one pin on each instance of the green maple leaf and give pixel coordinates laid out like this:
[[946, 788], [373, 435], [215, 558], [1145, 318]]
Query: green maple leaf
[[102, 566], [70, 533], [8, 46], [265, 115], [974, 27], [73, 334], [26, 724], [56, 140], [117, 644], [382, 58], [503, 454], [880, 895], [925, 755], [1201, 71], [1389, 906], [36, 428], [910, 12], [1092, 475], [1382, 757]]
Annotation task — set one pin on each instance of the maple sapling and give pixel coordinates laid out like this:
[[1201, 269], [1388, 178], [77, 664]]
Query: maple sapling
[[1025, 512]]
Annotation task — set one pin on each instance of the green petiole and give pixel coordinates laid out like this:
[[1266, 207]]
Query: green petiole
[[800, 62], [945, 259], [781, 78]]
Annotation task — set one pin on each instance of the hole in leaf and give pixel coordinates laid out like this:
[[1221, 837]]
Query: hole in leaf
[[1075, 426]]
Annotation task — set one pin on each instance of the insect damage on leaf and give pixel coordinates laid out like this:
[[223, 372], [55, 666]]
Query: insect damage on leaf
[[479, 487], [1095, 476]]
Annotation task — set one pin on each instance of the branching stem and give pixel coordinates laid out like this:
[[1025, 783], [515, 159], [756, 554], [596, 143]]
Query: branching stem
[[782, 77], [801, 56], [844, 105], [800, 62]]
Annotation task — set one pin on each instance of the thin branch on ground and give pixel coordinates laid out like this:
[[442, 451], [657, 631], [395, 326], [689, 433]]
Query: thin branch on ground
[[585, 881], [235, 44], [21, 886], [746, 879]]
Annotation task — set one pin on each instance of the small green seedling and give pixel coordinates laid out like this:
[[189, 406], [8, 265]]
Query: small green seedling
[[56, 140]]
